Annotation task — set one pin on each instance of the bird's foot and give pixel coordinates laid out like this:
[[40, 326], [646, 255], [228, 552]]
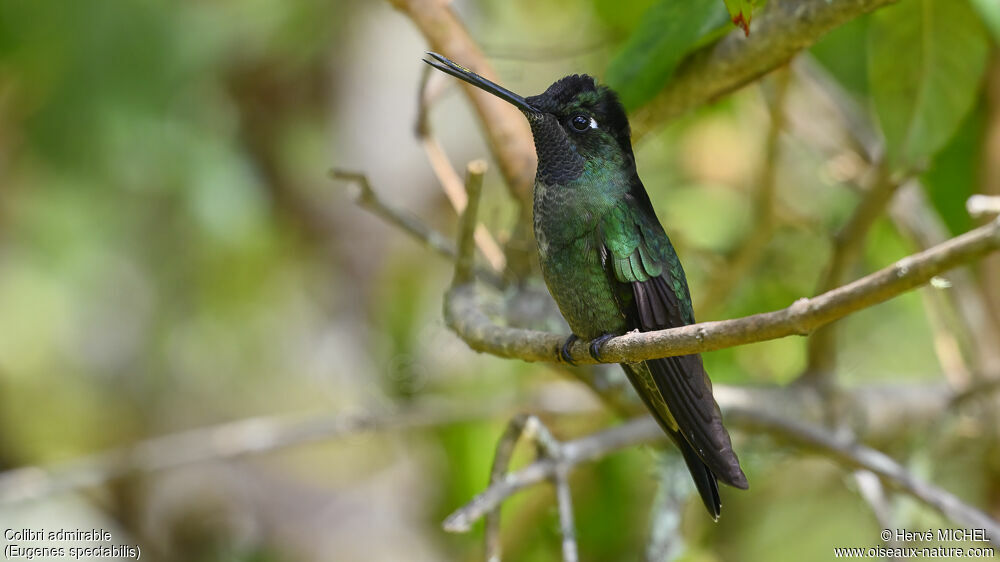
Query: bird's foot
[[564, 353], [596, 344]]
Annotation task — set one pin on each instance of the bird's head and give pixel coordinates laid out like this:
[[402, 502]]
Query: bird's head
[[574, 121]]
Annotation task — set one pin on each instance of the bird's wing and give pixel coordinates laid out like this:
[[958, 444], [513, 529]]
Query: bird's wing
[[639, 259]]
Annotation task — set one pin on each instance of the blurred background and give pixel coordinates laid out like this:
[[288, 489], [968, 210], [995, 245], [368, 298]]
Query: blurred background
[[173, 256]]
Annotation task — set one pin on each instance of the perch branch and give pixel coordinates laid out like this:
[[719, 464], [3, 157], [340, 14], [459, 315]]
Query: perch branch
[[464, 316], [644, 430]]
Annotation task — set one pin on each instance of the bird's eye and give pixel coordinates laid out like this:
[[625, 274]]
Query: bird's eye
[[580, 122]]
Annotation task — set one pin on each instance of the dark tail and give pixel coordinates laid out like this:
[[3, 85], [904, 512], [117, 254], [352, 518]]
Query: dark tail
[[704, 478], [687, 391]]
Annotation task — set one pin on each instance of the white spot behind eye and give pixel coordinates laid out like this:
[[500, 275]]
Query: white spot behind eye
[[593, 123]]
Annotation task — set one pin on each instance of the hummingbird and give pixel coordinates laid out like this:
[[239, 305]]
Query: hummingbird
[[609, 264]]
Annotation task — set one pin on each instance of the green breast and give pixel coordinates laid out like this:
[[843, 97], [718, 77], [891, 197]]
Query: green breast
[[580, 287]]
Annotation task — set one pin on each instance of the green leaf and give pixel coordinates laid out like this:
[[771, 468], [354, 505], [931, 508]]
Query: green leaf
[[952, 177], [669, 30], [925, 62], [838, 52], [989, 11]]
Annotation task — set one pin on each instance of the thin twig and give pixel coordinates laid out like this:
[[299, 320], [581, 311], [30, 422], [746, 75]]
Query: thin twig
[[980, 206], [943, 334], [501, 463], [873, 492], [467, 222], [366, 198], [464, 316], [564, 499]]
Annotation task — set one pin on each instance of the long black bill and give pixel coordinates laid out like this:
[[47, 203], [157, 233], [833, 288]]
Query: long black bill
[[458, 71]]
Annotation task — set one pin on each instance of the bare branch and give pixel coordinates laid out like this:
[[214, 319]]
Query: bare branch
[[257, 436], [811, 437], [592, 447], [464, 316], [782, 30], [852, 454], [549, 448], [501, 463]]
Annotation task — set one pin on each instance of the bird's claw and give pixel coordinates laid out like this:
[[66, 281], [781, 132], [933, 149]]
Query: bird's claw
[[564, 351], [596, 344]]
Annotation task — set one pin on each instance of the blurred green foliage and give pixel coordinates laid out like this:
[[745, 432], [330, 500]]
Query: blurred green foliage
[[667, 32], [921, 98], [172, 256]]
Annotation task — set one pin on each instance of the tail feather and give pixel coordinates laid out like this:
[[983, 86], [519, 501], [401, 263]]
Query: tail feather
[[704, 479]]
